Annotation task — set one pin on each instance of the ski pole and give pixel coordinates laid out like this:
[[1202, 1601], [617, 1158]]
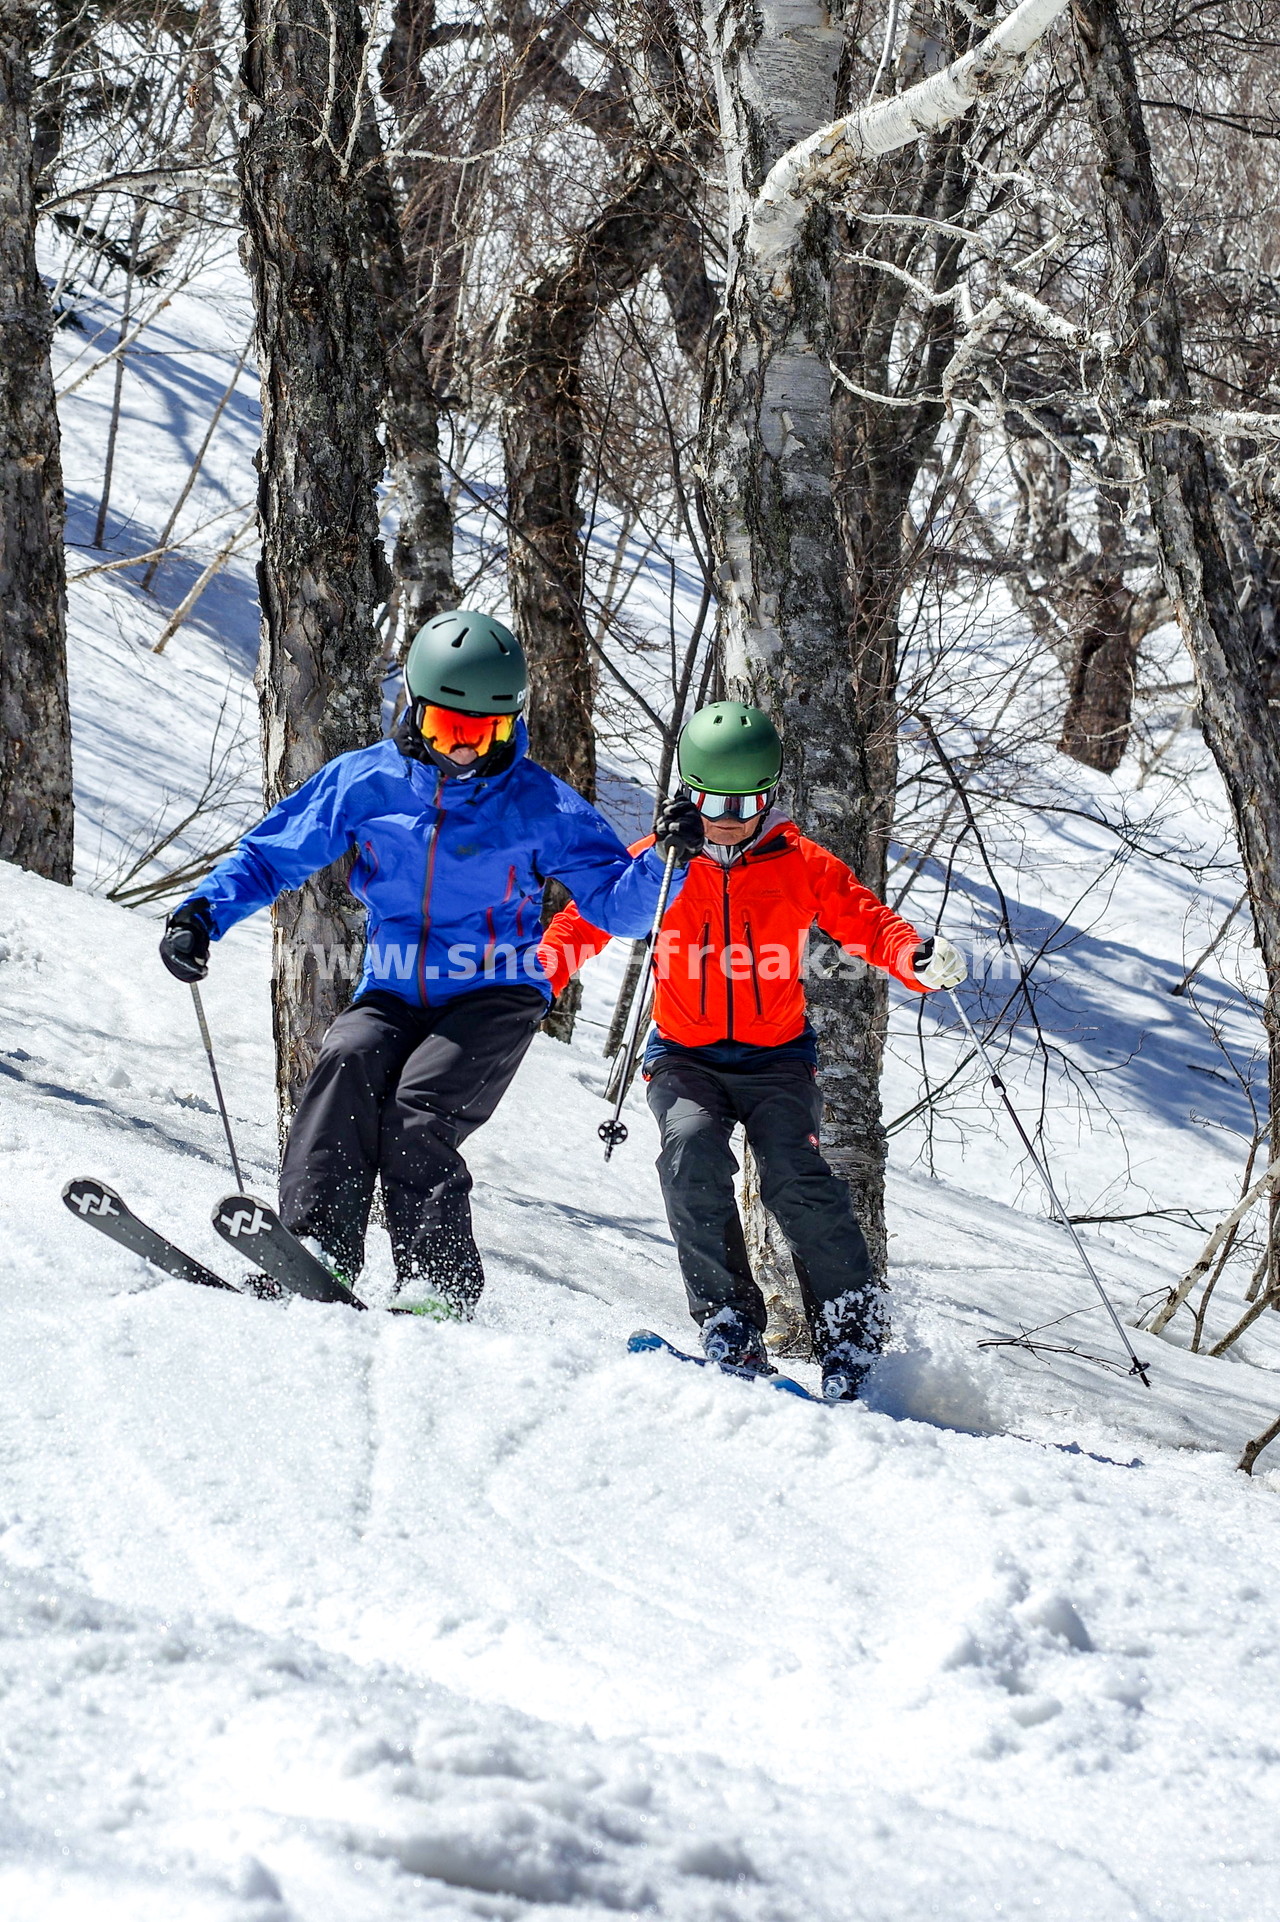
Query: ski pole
[[1138, 1368], [217, 1085], [613, 1132]]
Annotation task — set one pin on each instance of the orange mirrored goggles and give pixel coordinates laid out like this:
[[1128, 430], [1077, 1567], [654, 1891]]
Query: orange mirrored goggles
[[445, 728]]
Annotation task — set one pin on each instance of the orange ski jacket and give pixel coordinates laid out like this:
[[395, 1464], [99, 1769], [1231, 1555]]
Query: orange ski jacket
[[730, 954]]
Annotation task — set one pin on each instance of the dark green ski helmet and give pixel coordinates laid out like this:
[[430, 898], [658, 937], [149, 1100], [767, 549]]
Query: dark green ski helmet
[[729, 749], [467, 661]]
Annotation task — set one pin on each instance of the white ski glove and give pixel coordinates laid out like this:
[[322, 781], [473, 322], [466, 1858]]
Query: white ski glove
[[939, 964]]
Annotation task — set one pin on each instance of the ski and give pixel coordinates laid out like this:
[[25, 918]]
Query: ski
[[101, 1207], [645, 1342], [256, 1230]]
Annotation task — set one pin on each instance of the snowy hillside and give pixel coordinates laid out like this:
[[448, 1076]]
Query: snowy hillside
[[325, 1616], [310, 1617]]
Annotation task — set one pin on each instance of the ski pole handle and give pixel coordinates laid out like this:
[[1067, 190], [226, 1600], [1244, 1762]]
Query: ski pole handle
[[217, 1086]]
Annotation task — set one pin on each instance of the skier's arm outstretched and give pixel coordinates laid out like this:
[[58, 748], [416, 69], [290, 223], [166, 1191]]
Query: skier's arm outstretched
[[571, 939], [302, 834], [856, 918], [864, 926], [615, 890]]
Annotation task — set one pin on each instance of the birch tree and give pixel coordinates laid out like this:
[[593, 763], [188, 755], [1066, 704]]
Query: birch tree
[[785, 609], [36, 823]]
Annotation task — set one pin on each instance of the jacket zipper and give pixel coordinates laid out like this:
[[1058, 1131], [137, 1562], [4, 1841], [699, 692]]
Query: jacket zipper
[[728, 969], [426, 892], [374, 869], [703, 950], [755, 968]]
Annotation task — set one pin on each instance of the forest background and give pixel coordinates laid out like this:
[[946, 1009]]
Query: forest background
[[927, 354]]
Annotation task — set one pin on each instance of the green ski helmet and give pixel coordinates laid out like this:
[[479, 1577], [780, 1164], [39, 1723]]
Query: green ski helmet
[[729, 749], [469, 662]]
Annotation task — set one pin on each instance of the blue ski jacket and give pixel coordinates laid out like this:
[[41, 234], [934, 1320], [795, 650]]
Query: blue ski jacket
[[450, 868]]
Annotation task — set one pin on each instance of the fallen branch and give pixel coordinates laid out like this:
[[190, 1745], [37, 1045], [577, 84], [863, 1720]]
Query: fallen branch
[[1245, 1323], [1201, 1268], [1255, 1448], [153, 553], [215, 566], [1216, 942], [196, 465]]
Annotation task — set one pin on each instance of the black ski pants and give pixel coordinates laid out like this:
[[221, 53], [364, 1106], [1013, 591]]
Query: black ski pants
[[780, 1109], [394, 1091]]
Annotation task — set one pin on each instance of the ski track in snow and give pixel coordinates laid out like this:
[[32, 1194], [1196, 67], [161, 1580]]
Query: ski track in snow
[[315, 1617]]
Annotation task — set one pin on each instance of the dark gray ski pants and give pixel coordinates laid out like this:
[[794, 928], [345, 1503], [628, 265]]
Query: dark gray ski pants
[[394, 1091], [780, 1109]]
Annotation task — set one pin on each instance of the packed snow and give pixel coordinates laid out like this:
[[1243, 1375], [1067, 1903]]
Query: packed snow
[[317, 1617]]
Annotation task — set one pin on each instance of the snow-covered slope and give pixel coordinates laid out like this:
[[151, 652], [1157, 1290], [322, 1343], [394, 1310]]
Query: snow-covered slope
[[310, 1617], [325, 1616]]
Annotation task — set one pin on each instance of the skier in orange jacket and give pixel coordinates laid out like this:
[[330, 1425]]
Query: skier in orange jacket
[[732, 1044]]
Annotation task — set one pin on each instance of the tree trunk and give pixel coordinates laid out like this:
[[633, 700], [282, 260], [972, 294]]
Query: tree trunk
[[539, 373], [36, 813], [789, 612], [1099, 712], [422, 561], [307, 247], [770, 492], [73, 26], [1095, 727], [878, 454], [1232, 646]]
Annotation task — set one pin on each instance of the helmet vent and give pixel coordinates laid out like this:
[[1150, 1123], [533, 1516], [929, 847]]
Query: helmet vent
[[446, 689]]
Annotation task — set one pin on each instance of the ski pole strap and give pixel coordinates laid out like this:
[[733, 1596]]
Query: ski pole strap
[[1137, 1367], [217, 1086]]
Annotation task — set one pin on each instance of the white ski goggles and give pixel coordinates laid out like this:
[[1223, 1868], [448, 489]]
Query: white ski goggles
[[731, 807]]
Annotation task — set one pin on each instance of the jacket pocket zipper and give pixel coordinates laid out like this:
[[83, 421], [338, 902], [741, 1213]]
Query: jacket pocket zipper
[[755, 968], [726, 963]]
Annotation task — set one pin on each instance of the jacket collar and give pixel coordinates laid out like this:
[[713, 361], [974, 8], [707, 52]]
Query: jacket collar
[[462, 786], [776, 835]]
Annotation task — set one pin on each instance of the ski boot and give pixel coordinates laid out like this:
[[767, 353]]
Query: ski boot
[[440, 1296], [734, 1342], [844, 1369], [431, 1307]]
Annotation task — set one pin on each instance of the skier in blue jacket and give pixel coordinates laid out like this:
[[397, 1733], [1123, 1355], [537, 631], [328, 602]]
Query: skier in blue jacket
[[454, 833]]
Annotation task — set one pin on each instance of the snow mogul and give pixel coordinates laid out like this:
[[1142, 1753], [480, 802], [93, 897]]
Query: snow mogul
[[731, 1042], [454, 832]]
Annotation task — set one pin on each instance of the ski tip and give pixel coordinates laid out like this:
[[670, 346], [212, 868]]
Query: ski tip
[[237, 1215], [86, 1195], [643, 1341]]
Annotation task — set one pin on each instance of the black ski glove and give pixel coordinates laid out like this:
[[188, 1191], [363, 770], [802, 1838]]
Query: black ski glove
[[184, 948], [678, 829]]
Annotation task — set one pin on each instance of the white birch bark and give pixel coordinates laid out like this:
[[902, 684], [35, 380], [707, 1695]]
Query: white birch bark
[[785, 611], [819, 166]]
